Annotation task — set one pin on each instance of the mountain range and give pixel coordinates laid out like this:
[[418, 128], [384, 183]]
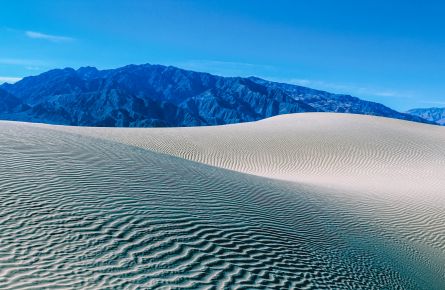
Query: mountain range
[[436, 115], [165, 96]]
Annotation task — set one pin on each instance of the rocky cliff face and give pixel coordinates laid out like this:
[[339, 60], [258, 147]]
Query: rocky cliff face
[[160, 96]]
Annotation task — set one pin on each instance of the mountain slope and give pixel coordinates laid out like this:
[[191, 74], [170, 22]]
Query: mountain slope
[[431, 114], [160, 96], [10, 103], [329, 102]]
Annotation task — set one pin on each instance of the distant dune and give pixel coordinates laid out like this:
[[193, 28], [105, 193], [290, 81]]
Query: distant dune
[[335, 201]]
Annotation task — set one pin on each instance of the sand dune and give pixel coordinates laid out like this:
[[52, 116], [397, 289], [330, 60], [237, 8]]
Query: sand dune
[[330, 201], [341, 150]]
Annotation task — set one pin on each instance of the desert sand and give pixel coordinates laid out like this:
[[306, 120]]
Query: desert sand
[[303, 201]]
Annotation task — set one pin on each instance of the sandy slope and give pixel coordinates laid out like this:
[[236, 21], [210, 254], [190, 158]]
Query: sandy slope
[[355, 202], [345, 151]]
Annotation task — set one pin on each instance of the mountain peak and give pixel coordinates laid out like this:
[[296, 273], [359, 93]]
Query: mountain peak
[[84, 69], [87, 72]]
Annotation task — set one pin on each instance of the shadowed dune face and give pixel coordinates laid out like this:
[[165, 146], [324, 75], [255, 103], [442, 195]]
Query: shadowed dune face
[[84, 212]]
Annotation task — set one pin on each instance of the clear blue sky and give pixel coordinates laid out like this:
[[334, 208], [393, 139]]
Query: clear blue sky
[[387, 51]]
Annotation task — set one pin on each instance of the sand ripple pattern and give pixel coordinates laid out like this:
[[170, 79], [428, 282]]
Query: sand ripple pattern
[[78, 212], [340, 150], [393, 170]]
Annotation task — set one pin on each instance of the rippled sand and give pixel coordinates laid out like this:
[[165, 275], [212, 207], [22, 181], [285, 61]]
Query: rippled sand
[[330, 201]]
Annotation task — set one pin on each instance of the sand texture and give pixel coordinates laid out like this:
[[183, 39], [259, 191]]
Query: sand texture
[[303, 201]]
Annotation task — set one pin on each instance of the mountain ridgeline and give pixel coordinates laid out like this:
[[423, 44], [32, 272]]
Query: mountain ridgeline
[[431, 114], [165, 96]]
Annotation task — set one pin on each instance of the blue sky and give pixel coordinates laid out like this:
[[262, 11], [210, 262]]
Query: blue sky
[[387, 51]]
